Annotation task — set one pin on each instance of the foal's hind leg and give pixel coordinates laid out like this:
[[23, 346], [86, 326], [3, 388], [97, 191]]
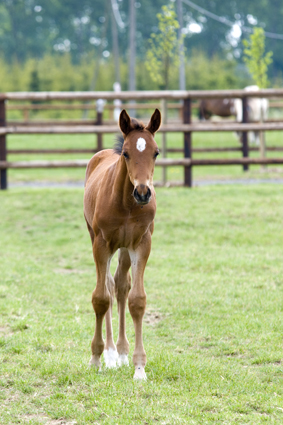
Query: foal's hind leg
[[110, 352], [122, 286], [100, 296], [137, 302]]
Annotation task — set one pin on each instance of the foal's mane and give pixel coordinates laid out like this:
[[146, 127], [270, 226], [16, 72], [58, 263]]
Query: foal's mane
[[136, 125]]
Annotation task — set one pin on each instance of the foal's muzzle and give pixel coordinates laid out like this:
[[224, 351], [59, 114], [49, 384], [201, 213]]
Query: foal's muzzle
[[142, 194]]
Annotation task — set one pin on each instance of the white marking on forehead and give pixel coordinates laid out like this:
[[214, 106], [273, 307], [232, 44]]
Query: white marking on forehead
[[141, 143]]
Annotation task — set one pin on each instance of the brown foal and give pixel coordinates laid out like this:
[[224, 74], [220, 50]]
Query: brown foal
[[119, 208]]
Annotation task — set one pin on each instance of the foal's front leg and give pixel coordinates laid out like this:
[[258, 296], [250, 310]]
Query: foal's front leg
[[100, 297], [122, 280], [137, 302]]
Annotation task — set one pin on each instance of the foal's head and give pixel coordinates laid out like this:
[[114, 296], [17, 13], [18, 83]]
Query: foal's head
[[139, 151]]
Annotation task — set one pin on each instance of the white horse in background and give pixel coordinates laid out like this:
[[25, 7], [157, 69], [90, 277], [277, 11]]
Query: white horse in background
[[117, 102], [257, 111]]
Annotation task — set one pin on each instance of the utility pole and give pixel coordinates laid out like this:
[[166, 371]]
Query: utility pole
[[132, 50], [115, 47], [182, 78]]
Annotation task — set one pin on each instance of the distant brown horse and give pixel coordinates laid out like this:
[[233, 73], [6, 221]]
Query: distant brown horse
[[119, 208], [257, 109], [220, 107]]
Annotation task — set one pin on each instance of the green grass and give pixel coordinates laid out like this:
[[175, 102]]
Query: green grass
[[214, 321], [173, 173]]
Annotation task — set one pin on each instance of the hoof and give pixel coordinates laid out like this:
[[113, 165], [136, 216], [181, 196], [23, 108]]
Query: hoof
[[110, 358], [123, 360], [95, 362], [140, 373]]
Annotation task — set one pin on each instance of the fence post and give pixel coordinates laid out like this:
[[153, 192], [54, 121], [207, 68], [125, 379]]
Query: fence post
[[245, 134], [262, 145], [99, 112], [187, 113], [3, 148], [164, 137], [26, 114]]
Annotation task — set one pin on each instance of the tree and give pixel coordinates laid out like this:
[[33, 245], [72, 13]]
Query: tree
[[164, 47], [164, 53], [34, 83], [32, 29], [256, 59], [257, 62]]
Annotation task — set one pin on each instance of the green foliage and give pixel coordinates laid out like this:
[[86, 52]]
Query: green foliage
[[55, 72], [256, 59], [31, 30], [34, 84], [213, 73], [164, 48], [59, 73]]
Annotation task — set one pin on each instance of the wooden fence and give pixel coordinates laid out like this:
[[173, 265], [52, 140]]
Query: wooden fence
[[187, 127], [25, 109]]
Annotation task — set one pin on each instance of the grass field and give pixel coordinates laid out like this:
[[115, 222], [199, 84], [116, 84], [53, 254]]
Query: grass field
[[212, 330]]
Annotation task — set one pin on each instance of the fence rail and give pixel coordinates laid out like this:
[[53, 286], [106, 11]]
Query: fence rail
[[141, 95], [187, 127], [168, 150], [163, 162]]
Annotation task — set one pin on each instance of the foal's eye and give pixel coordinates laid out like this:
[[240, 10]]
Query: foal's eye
[[156, 154], [126, 155]]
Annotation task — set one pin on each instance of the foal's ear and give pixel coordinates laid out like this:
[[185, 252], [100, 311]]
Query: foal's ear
[[154, 122], [125, 123]]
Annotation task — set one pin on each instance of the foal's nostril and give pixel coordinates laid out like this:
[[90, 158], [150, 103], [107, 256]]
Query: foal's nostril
[[142, 194]]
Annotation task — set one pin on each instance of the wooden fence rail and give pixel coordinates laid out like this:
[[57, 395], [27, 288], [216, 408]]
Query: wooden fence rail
[[163, 162], [187, 127], [141, 95], [168, 128], [168, 150]]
